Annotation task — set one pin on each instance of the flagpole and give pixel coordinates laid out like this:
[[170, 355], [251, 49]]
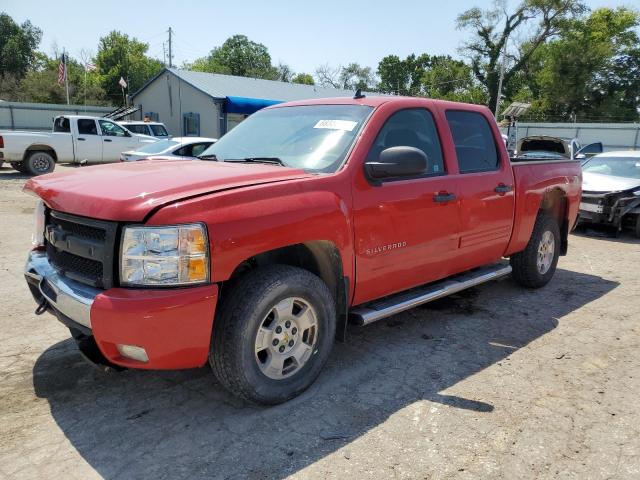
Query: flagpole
[[66, 74]]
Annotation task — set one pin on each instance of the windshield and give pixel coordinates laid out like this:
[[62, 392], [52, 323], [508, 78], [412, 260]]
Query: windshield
[[315, 138], [159, 130], [159, 146], [628, 167]]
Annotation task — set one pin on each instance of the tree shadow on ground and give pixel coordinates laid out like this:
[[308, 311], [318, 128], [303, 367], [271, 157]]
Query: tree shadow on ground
[[183, 424]]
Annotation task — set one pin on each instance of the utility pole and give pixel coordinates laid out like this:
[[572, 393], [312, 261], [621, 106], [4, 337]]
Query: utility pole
[[502, 66], [170, 49]]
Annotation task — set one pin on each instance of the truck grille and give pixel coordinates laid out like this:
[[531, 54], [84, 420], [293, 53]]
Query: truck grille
[[81, 249]]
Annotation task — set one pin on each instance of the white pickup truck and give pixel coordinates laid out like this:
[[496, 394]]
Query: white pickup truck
[[75, 138]]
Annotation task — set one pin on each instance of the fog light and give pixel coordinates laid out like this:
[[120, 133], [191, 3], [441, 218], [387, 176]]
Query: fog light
[[133, 352]]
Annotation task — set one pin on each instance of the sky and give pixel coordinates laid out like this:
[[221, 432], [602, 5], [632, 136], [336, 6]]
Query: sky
[[302, 34]]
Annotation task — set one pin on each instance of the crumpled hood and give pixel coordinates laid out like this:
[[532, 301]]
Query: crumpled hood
[[129, 191], [598, 183]]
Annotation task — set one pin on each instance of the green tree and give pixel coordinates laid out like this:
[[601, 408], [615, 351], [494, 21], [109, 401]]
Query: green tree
[[238, 56], [531, 23], [121, 56], [18, 45], [40, 85], [351, 77], [355, 76], [303, 78], [450, 79], [402, 77], [591, 71]]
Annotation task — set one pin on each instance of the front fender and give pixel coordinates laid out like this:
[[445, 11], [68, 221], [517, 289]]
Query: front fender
[[245, 222]]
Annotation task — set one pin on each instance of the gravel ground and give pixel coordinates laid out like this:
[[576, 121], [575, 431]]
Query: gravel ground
[[497, 382]]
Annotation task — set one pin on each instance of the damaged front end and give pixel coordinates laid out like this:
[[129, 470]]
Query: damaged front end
[[620, 210]]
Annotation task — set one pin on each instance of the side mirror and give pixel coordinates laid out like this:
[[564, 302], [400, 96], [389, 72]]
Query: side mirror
[[398, 162], [127, 133], [589, 150]]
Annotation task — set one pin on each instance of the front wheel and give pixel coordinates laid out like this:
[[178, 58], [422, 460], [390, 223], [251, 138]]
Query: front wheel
[[273, 335], [535, 265]]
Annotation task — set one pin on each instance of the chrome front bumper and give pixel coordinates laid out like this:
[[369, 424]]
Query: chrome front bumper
[[68, 297]]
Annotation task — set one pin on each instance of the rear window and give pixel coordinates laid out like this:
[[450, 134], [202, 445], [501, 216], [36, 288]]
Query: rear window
[[475, 146], [141, 129], [159, 131]]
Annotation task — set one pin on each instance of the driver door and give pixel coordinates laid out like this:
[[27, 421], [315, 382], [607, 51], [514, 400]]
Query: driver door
[[115, 140], [406, 229]]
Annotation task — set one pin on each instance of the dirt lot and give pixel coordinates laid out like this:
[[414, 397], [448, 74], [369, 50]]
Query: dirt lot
[[498, 382]]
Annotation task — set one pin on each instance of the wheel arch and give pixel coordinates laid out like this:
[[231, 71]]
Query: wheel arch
[[320, 257], [36, 147], [554, 204]]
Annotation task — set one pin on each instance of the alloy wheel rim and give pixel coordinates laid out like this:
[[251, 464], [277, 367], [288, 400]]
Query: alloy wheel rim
[[546, 250], [41, 162], [286, 337]]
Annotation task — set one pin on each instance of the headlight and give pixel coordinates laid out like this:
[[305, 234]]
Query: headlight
[[37, 238], [176, 255]]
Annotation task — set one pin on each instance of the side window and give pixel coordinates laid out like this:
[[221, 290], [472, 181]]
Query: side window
[[62, 125], [412, 127], [110, 129], [475, 146], [198, 148], [184, 151], [191, 124], [87, 127]]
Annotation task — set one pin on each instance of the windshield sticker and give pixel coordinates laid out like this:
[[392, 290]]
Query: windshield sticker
[[346, 125]]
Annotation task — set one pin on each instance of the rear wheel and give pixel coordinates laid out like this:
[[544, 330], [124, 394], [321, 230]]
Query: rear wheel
[[274, 334], [39, 163], [637, 230], [535, 265]]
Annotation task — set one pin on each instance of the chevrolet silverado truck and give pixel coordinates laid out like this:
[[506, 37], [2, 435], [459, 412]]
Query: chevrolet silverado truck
[[306, 216], [75, 138]]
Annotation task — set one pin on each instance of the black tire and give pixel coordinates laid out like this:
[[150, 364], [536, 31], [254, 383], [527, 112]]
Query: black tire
[[525, 263], [233, 355], [39, 163], [637, 229]]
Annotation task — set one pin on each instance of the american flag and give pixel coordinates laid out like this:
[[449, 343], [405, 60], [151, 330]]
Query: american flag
[[90, 67], [62, 70]]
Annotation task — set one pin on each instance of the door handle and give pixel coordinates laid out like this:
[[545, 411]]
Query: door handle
[[80, 139], [444, 197], [108, 140], [502, 188]]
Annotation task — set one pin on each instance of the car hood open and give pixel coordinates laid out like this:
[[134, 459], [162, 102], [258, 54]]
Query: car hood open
[[598, 183], [128, 191]]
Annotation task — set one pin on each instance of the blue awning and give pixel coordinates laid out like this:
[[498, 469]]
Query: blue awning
[[246, 105]]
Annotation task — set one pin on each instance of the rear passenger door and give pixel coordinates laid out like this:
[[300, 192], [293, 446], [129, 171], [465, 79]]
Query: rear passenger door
[[485, 181]]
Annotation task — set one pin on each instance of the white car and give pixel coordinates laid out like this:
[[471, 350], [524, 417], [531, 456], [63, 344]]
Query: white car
[[153, 129], [186, 148], [74, 138]]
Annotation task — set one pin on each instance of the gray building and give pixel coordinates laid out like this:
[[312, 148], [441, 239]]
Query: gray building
[[210, 104]]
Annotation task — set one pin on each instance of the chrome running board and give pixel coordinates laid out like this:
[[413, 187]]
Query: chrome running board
[[379, 309]]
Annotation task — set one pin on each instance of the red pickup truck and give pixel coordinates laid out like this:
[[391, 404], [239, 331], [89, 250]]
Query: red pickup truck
[[304, 217]]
